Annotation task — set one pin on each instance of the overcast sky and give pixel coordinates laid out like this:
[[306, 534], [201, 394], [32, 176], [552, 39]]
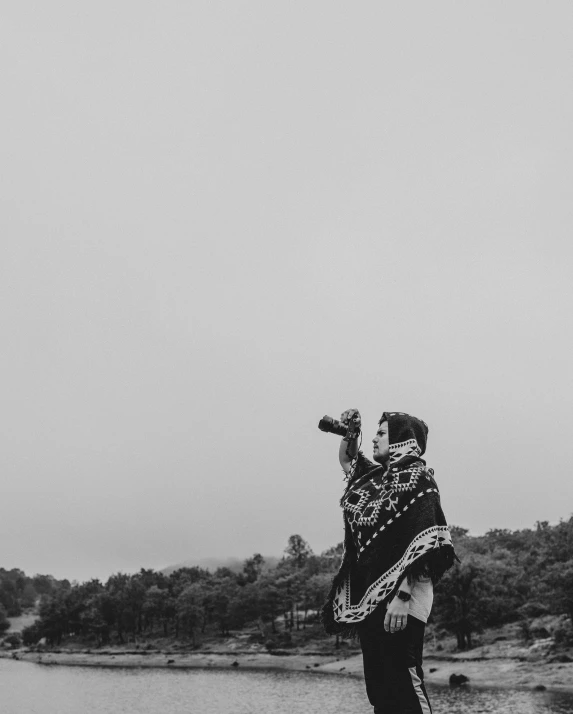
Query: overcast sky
[[222, 220]]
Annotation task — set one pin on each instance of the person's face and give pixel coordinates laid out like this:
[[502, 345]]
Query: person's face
[[381, 445]]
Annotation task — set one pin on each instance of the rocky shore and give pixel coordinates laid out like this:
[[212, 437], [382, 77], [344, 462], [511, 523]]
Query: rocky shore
[[174, 660], [501, 659], [481, 669]]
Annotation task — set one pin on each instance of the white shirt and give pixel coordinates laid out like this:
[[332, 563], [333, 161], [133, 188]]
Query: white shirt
[[422, 599]]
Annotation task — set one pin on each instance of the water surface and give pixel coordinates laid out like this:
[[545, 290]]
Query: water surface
[[27, 688]]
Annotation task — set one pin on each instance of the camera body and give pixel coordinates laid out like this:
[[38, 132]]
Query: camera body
[[333, 426]]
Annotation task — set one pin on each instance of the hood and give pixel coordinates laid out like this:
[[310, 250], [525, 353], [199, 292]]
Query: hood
[[407, 436]]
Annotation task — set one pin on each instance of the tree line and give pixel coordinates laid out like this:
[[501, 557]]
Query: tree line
[[507, 576], [19, 592], [504, 576]]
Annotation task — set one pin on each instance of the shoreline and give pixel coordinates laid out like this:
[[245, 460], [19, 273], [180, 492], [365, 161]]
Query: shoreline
[[494, 673]]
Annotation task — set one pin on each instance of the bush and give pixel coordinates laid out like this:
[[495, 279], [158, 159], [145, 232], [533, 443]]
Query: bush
[[31, 635], [280, 640], [14, 641], [256, 638], [4, 621], [533, 609], [563, 633], [545, 626], [525, 630]]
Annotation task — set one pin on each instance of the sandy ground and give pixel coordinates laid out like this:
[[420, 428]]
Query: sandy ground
[[503, 672], [177, 660]]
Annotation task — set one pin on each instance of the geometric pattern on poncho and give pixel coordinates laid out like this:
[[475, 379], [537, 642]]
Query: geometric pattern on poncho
[[363, 510], [426, 541], [364, 505], [406, 480], [404, 448]]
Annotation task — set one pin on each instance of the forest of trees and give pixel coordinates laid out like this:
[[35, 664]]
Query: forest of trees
[[504, 576]]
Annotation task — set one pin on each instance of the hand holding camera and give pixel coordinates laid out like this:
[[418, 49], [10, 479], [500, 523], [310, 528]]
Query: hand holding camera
[[348, 426], [351, 416]]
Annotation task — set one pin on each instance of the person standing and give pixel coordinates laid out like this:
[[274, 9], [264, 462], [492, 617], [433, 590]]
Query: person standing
[[397, 545]]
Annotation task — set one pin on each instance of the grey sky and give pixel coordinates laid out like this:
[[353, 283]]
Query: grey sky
[[220, 221]]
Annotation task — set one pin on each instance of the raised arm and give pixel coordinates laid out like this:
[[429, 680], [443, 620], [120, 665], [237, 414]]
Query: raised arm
[[348, 448]]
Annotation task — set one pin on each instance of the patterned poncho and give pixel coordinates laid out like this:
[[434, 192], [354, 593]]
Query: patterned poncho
[[394, 527]]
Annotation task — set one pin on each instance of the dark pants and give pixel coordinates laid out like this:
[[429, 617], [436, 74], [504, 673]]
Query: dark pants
[[393, 666]]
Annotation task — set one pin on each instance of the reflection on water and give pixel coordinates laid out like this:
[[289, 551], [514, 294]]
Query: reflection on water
[[32, 689]]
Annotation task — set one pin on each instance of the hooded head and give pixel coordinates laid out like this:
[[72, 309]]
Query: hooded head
[[407, 436]]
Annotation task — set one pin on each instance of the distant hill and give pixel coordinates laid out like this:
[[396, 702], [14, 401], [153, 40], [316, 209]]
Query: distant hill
[[211, 564]]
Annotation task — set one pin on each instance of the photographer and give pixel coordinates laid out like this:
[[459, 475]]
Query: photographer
[[397, 545]]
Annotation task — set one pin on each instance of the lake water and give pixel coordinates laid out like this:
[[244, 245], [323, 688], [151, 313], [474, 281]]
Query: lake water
[[27, 688]]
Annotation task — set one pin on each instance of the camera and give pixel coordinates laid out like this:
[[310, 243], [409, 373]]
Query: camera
[[333, 426]]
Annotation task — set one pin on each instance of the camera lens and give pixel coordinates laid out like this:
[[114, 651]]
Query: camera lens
[[331, 426]]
